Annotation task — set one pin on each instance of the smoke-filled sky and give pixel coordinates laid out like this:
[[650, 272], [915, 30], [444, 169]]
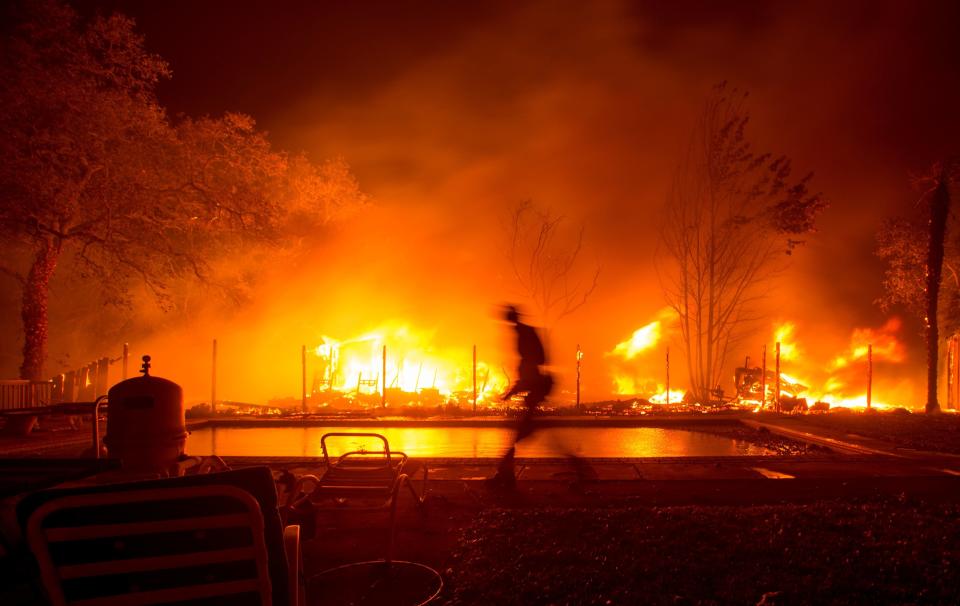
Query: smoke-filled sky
[[449, 112]]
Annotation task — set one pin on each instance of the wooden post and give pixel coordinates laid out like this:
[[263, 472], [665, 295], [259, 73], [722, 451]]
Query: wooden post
[[383, 381], [84, 385], [579, 358], [303, 377], [102, 381], [69, 386], [776, 396], [56, 397], [126, 358], [213, 379], [763, 380], [869, 375], [474, 379], [668, 376]]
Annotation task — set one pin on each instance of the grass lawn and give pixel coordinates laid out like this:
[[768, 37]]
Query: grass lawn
[[876, 552], [940, 432]]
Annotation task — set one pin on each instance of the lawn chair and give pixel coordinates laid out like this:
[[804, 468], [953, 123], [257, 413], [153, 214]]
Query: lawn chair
[[359, 480], [208, 539]]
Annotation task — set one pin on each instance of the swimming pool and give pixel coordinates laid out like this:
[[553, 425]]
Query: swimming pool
[[470, 442]]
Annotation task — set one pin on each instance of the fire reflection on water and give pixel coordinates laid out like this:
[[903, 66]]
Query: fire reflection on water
[[469, 442]]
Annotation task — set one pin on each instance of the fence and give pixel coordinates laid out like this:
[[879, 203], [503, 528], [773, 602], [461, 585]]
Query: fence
[[20, 393], [81, 385]]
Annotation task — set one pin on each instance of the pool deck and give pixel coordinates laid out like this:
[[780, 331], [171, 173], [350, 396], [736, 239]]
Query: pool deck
[[849, 466], [845, 458]]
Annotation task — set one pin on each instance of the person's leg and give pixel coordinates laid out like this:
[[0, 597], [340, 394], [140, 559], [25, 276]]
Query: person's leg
[[506, 474], [583, 469]]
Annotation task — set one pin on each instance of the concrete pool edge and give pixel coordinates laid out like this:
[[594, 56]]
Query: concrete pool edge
[[545, 421], [691, 470]]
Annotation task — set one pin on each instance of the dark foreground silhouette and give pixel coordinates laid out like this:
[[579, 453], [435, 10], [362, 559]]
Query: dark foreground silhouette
[[536, 384]]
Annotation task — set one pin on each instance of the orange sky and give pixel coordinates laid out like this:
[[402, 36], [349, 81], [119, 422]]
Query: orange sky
[[451, 112]]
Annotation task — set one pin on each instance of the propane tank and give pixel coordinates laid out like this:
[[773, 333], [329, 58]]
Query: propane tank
[[146, 428]]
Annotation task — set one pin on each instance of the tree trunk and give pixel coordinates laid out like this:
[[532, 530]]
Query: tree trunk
[[34, 311], [939, 210]]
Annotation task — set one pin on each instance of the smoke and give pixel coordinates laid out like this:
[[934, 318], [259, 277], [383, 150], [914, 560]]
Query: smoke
[[587, 109], [450, 118]]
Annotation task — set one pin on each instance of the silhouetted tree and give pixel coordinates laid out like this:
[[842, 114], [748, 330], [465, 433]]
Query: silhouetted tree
[[93, 172], [545, 262], [916, 251], [729, 218]]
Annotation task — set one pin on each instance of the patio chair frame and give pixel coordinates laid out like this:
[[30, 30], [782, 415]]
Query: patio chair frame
[[40, 540], [375, 476]]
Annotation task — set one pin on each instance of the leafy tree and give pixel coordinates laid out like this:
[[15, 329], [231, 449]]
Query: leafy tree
[[917, 250], [729, 218], [95, 174], [80, 120]]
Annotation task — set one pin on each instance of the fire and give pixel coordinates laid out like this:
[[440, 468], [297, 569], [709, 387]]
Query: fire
[[643, 339], [638, 368], [634, 363], [674, 396], [842, 383], [783, 334], [884, 343], [413, 368]]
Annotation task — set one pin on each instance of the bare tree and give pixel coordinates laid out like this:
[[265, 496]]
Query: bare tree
[[729, 218], [544, 260]]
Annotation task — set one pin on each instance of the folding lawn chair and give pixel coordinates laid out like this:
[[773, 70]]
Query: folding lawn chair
[[207, 539], [359, 480]]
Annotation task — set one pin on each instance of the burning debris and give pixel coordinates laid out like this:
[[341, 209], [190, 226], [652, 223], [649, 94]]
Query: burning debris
[[632, 359], [758, 384], [398, 365], [639, 367]]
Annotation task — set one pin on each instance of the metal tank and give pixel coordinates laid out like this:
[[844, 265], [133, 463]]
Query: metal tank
[[146, 428]]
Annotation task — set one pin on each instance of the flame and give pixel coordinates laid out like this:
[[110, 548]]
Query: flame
[[637, 370], [783, 334], [842, 383], [632, 361], [355, 366], [884, 342], [643, 338], [675, 396]]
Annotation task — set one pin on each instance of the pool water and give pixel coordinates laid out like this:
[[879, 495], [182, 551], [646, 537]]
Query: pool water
[[469, 442]]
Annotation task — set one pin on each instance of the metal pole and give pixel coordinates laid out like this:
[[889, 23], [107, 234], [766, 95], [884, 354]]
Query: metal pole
[[776, 396], [763, 380], [126, 357], [96, 430], [213, 380], [383, 382], [668, 376], [579, 358], [869, 375], [303, 378], [474, 379], [96, 426]]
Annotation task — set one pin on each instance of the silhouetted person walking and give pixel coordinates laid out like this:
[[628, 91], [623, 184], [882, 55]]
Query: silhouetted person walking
[[532, 380]]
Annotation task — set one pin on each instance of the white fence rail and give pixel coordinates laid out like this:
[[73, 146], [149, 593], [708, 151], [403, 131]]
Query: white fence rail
[[18, 393]]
